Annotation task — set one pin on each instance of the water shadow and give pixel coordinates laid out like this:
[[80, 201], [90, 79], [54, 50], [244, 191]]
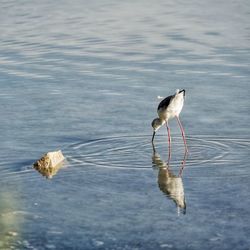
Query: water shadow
[[169, 183]]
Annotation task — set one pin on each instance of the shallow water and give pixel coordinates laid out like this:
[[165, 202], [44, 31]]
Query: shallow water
[[84, 78]]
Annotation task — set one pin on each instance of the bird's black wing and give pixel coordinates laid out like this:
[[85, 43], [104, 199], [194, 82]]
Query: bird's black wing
[[165, 102]]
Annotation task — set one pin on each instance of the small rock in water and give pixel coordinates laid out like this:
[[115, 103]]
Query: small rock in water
[[50, 163], [166, 246], [12, 233], [98, 243]]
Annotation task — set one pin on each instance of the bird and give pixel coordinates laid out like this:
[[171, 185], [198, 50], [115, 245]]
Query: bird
[[169, 108]]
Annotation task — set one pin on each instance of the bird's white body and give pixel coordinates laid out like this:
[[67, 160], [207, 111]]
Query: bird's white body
[[173, 109]]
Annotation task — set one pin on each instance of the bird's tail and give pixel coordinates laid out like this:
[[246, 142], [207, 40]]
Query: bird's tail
[[180, 91]]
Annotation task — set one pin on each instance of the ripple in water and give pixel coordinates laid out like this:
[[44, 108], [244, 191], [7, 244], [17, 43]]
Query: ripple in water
[[135, 152], [208, 156]]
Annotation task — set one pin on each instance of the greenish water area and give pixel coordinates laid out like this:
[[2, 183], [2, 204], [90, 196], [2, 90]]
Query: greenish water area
[[85, 77]]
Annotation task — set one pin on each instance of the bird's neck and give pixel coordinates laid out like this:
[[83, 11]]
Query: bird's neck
[[162, 121]]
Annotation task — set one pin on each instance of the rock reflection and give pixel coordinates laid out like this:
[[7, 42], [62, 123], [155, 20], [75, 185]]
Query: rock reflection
[[169, 183]]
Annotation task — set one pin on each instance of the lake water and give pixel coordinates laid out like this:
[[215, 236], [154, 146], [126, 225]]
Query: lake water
[[83, 77]]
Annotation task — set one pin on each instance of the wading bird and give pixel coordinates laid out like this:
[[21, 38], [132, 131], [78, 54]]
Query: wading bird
[[169, 108]]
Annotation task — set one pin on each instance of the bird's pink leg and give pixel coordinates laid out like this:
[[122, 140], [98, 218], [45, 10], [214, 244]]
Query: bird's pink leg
[[183, 134], [169, 142]]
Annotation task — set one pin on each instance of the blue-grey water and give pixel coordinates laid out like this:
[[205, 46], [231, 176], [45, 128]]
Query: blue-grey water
[[83, 77]]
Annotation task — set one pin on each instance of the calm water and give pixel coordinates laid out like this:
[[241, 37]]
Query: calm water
[[83, 77]]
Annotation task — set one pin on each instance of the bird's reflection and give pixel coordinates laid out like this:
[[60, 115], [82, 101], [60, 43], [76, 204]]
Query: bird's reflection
[[169, 183]]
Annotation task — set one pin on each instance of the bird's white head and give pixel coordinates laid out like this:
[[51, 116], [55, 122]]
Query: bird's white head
[[157, 123]]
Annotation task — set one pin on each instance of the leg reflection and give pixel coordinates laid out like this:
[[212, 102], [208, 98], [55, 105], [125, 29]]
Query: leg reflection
[[183, 163]]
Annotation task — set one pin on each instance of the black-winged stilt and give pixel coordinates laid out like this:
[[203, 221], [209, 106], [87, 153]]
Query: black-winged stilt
[[169, 108]]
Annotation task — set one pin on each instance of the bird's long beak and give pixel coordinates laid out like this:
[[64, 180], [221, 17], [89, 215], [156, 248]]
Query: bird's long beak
[[153, 137]]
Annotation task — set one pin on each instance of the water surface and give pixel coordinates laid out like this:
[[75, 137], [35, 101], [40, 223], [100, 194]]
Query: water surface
[[84, 78]]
